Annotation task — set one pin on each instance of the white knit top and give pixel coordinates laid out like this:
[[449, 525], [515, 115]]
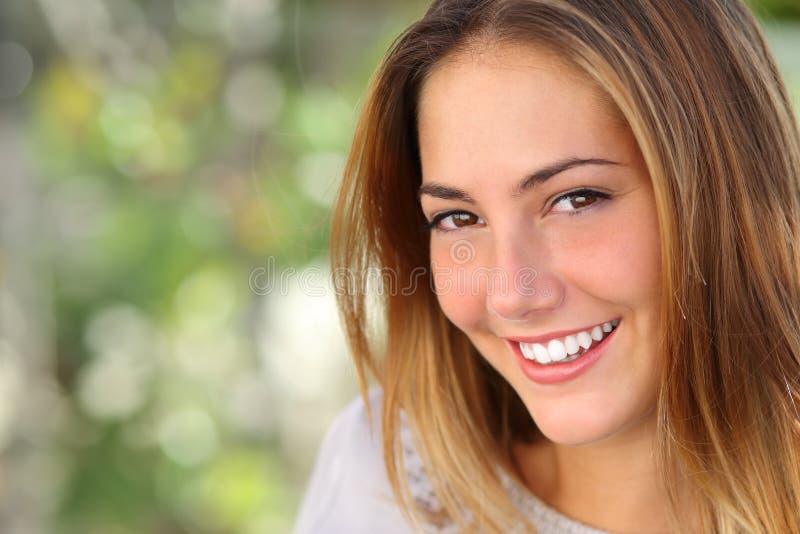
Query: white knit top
[[349, 492]]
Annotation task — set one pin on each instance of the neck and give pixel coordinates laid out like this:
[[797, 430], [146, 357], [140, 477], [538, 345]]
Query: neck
[[612, 484]]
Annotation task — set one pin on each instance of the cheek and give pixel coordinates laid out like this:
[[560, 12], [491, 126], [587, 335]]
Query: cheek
[[461, 294], [634, 268], [621, 263], [629, 265]]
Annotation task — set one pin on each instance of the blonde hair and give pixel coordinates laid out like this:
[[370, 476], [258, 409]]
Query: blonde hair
[[702, 95]]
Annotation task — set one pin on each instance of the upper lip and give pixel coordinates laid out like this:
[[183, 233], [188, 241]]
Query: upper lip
[[555, 335]]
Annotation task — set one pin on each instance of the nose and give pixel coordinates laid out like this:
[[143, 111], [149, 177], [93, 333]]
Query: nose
[[525, 282]]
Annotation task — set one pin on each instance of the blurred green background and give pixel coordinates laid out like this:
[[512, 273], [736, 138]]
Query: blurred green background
[[170, 353]]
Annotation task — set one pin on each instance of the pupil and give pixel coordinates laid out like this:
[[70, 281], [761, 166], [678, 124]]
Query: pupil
[[463, 219], [581, 201]]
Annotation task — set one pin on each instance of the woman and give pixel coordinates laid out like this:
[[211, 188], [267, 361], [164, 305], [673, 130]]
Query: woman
[[590, 215]]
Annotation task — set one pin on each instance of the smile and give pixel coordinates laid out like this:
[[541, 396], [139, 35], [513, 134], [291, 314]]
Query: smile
[[567, 348]]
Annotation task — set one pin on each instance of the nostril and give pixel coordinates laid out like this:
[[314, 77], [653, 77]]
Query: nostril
[[509, 300]]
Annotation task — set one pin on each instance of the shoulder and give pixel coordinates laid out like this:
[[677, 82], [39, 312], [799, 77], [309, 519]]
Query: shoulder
[[348, 490]]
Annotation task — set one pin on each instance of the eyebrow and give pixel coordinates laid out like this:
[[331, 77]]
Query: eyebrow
[[542, 175]]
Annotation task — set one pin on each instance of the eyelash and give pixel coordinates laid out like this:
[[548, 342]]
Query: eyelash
[[433, 225]]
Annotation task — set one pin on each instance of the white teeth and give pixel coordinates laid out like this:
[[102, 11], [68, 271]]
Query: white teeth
[[526, 350], [597, 333], [571, 344], [556, 350], [570, 348], [584, 339], [542, 356]]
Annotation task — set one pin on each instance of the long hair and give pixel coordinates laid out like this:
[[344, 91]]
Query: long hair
[[703, 98]]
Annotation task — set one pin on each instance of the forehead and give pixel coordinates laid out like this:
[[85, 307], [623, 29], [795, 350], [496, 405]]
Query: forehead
[[512, 101], [493, 64], [509, 57]]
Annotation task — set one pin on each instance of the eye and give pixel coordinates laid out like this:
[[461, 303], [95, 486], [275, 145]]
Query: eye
[[453, 220], [576, 202]]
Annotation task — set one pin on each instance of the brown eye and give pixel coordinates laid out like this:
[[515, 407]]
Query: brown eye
[[582, 201], [453, 220], [464, 219], [577, 201]]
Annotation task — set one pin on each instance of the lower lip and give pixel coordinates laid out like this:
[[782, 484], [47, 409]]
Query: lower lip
[[556, 373]]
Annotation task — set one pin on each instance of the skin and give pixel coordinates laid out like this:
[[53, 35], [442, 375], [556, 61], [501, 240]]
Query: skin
[[488, 117]]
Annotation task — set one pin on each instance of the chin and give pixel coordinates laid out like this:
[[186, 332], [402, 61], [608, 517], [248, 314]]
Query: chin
[[578, 425], [572, 432]]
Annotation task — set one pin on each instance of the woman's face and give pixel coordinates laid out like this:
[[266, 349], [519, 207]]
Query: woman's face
[[545, 228]]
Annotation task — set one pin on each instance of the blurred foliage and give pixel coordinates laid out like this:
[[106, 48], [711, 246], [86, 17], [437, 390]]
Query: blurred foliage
[[776, 9], [162, 151]]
